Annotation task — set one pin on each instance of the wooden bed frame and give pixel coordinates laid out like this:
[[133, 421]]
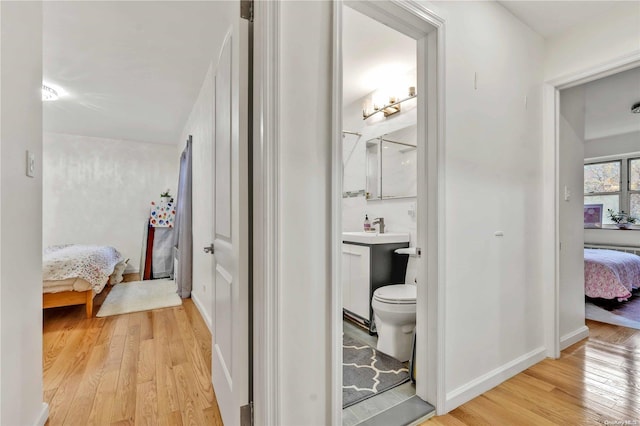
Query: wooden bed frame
[[69, 298]]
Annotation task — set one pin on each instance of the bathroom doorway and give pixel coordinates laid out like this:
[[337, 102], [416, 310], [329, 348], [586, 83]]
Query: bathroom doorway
[[386, 232]]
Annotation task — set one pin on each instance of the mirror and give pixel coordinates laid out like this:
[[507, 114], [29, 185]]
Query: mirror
[[373, 169], [391, 165]]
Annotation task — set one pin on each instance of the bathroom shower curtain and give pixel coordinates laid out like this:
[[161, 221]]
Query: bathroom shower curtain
[[183, 236]]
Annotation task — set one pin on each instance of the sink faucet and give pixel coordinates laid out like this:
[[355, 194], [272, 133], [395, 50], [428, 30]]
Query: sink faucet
[[379, 221]]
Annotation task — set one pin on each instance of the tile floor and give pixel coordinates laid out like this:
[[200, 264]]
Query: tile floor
[[370, 407]]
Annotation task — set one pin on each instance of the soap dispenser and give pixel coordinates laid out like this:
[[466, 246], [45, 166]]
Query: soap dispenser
[[367, 224]]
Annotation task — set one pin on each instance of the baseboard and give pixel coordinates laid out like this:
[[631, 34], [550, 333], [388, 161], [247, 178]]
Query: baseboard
[[477, 387], [44, 415], [203, 312], [574, 337], [131, 270]]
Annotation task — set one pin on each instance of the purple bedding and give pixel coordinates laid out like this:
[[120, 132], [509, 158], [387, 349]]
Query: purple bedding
[[610, 274]]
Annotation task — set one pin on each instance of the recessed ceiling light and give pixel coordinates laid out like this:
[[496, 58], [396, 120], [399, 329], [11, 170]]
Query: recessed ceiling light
[[636, 108], [49, 94]]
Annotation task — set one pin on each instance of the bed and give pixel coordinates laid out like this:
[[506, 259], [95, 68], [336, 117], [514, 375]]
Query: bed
[[610, 274], [73, 274]]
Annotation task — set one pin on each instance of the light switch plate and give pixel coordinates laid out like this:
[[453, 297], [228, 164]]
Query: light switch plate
[[31, 164]]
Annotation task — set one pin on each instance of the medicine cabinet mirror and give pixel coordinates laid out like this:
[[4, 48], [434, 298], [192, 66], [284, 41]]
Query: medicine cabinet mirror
[[391, 165]]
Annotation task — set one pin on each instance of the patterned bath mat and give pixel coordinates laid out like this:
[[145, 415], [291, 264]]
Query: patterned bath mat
[[367, 372]]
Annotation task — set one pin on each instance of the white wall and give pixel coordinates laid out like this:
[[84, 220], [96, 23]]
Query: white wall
[[607, 37], [200, 126], [493, 182], [612, 237], [571, 150], [493, 173], [98, 191], [21, 215], [494, 303], [305, 212], [621, 144]]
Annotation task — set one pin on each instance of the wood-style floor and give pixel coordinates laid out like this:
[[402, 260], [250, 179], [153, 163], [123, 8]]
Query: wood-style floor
[[154, 368], [151, 368], [595, 382]]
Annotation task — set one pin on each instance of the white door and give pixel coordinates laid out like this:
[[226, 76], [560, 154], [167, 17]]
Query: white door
[[230, 356]]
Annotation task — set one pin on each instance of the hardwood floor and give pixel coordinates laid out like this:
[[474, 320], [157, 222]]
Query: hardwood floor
[[154, 368], [150, 368], [595, 382]]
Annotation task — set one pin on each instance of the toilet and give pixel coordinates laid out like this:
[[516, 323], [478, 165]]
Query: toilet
[[394, 312]]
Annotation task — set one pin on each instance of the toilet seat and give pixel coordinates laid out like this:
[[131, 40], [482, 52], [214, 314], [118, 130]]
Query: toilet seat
[[399, 294]]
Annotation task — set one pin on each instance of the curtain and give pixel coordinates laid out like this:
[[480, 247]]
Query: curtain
[[183, 236]]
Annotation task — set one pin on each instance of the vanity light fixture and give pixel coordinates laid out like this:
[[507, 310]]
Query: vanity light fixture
[[636, 108], [49, 94], [393, 107]]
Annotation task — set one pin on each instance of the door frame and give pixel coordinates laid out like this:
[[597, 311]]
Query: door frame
[[551, 175], [267, 320], [267, 393], [428, 29]]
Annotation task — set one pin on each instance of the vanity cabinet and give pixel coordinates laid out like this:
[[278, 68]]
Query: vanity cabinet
[[356, 276], [365, 268]]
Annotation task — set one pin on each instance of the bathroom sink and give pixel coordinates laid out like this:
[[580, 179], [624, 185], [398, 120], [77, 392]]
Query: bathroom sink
[[374, 238]]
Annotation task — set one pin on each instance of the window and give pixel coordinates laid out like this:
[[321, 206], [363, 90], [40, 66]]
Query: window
[[615, 185], [602, 182], [634, 187]]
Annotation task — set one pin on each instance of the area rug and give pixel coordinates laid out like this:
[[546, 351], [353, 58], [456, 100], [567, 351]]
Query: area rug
[[612, 315], [136, 296], [367, 372]]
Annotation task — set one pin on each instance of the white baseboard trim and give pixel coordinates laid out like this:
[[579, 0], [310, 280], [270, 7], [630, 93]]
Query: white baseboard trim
[[203, 312], [574, 337], [44, 415], [477, 387]]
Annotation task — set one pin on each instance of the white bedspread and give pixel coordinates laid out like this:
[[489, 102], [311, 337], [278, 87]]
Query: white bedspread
[[93, 264]]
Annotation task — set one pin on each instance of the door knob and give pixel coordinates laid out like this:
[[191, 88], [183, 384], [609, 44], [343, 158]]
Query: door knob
[[209, 249]]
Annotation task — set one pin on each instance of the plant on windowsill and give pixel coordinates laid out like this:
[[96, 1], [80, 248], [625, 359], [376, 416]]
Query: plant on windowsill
[[622, 219]]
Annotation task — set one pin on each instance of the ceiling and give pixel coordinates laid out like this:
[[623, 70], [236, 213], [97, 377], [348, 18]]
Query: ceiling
[[373, 55], [608, 104], [131, 70], [550, 18]]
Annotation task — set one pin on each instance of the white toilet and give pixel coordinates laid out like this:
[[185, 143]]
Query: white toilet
[[394, 312]]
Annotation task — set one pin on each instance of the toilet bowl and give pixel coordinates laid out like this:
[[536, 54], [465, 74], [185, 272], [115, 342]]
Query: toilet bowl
[[394, 312]]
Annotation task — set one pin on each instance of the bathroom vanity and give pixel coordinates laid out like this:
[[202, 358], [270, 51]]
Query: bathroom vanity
[[367, 264]]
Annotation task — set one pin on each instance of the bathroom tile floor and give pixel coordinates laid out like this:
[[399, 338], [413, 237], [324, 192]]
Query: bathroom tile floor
[[370, 407]]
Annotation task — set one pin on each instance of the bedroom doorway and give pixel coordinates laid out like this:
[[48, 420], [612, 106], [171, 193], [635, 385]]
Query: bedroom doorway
[[115, 121], [369, 125], [597, 148], [610, 172]]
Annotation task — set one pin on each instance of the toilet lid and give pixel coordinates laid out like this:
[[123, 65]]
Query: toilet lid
[[401, 293]]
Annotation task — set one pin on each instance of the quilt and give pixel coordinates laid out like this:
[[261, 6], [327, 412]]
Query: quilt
[[610, 274], [92, 263]]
